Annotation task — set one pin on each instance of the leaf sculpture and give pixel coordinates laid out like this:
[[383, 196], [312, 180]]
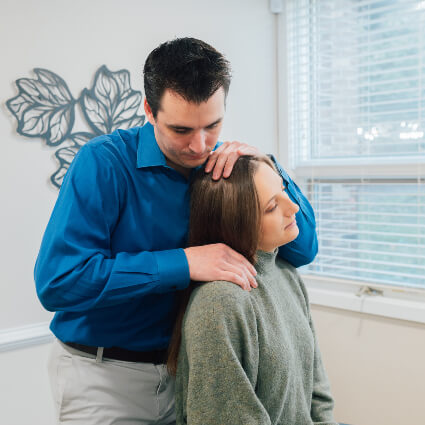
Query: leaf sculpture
[[67, 154], [45, 108], [111, 103]]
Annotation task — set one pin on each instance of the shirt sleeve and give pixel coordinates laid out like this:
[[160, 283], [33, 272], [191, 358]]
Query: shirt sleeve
[[304, 248], [322, 403], [75, 268], [218, 362]]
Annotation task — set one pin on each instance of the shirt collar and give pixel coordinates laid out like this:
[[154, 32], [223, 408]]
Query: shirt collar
[[148, 152]]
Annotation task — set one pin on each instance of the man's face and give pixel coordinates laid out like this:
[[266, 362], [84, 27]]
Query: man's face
[[187, 132]]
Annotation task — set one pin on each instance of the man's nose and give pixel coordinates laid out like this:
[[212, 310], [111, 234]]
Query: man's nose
[[197, 143]]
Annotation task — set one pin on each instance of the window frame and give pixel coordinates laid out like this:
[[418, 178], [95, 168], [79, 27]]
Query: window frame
[[394, 302]]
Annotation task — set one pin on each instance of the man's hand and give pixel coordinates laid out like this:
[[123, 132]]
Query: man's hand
[[220, 262], [224, 157]]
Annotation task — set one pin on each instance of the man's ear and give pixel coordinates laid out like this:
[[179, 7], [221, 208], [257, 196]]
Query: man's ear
[[148, 112]]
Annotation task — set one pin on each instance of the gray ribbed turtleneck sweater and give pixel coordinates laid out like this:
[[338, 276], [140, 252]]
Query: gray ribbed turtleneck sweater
[[251, 358]]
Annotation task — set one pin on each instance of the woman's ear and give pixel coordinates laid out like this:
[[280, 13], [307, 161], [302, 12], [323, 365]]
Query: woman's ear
[[148, 112]]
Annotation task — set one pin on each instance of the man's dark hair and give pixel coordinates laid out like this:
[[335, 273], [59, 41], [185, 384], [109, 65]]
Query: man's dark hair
[[190, 67]]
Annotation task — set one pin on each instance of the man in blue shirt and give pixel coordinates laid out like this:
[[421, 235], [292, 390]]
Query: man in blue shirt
[[113, 255]]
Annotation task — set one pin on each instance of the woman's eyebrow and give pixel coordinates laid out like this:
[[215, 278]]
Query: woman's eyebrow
[[271, 199], [274, 196]]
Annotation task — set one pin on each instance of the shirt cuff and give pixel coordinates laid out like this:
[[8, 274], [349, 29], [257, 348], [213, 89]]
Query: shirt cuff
[[173, 270]]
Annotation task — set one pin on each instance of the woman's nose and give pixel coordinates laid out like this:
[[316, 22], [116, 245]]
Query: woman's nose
[[291, 208]]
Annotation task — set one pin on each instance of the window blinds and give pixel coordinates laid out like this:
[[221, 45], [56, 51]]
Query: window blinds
[[357, 78], [370, 230], [356, 94]]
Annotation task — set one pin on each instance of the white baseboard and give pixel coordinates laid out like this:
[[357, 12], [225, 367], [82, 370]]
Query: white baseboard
[[25, 336]]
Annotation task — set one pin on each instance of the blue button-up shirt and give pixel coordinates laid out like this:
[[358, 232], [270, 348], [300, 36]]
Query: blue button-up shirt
[[112, 257]]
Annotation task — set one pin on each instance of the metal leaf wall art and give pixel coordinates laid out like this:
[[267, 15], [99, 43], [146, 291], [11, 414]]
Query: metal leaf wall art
[[45, 108]]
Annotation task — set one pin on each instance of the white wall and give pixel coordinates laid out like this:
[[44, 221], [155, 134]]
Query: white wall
[[24, 387], [375, 365], [73, 39]]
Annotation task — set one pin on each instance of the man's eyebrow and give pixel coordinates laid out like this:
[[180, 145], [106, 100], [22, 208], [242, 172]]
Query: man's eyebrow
[[182, 127], [178, 127], [215, 122]]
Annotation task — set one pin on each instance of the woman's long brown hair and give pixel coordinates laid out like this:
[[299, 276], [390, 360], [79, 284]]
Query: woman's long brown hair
[[224, 211]]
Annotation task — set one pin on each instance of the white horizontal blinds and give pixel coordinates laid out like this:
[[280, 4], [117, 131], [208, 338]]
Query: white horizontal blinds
[[370, 230], [356, 94], [356, 78]]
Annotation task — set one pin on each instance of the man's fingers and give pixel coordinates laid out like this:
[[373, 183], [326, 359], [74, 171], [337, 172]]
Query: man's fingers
[[235, 269], [219, 165], [240, 259], [220, 262], [228, 167], [251, 279], [243, 272], [222, 160], [214, 156], [237, 279], [210, 163], [237, 263], [248, 150]]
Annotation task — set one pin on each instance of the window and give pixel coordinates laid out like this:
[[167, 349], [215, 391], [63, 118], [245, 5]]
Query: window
[[356, 99]]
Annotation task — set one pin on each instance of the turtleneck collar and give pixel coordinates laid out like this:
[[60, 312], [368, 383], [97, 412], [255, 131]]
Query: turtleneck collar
[[265, 260]]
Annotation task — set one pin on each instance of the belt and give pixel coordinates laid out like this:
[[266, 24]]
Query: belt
[[116, 353]]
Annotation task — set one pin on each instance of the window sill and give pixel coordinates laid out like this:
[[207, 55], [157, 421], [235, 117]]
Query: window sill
[[395, 302]]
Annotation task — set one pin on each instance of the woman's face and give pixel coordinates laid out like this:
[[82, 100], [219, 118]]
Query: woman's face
[[278, 225]]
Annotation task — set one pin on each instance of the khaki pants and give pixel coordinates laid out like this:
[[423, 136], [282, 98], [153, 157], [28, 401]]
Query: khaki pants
[[90, 391]]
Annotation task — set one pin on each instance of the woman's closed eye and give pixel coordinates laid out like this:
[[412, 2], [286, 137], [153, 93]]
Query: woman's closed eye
[[273, 207]]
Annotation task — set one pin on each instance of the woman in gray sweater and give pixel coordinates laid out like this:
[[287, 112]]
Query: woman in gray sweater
[[248, 358]]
